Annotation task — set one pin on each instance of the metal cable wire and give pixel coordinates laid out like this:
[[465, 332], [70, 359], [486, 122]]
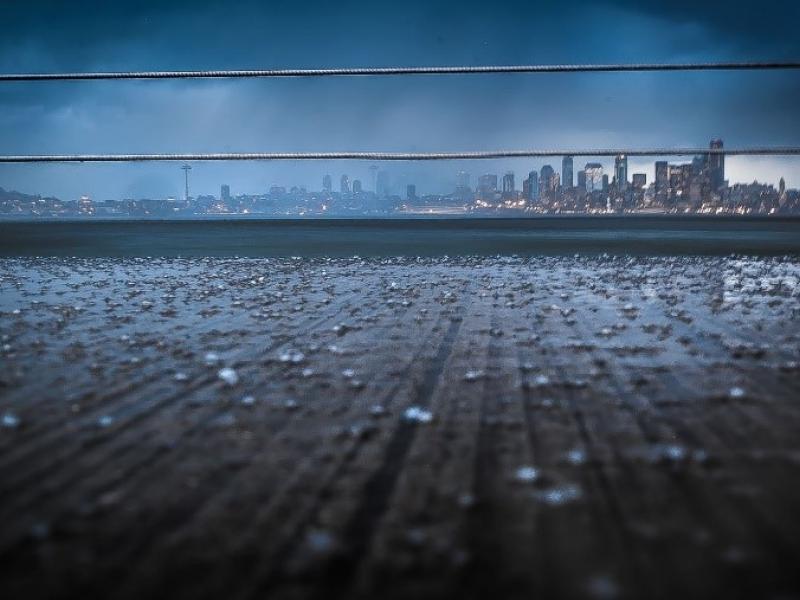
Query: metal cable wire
[[393, 156], [362, 71]]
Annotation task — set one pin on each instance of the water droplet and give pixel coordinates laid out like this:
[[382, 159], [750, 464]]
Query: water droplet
[[228, 375], [541, 380], [576, 456], [376, 410], [291, 356], [10, 421], [560, 495], [736, 393], [527, 474], [473, 375], [418, 415]]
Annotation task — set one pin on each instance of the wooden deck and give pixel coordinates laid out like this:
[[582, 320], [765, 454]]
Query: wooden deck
[[504, 428]]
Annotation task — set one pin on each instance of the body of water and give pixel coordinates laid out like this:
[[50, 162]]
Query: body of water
[[639, 235]]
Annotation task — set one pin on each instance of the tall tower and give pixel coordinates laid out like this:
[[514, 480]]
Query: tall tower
[[566, 172], [621, 172], [509, 189], [716, 164], [662, 176], [186, 169], [594, 177], [547, 180], [382, 184], [374, 170], [327, 184], [533, 185]]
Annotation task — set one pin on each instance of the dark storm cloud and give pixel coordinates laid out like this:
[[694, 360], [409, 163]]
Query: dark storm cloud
[[389, 114]]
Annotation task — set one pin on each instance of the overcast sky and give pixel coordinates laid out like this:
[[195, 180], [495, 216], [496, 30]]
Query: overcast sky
[[421, 113]]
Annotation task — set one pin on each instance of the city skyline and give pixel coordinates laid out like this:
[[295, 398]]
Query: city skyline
[[363, 172], [696, 186]]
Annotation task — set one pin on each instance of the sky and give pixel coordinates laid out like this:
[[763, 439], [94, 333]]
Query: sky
[[420, 113]]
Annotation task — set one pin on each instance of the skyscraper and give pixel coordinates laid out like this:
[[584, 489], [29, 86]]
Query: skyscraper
[[621, 172], [225, 193], [594, 177], [547, 180], [463, 190], [356, 186], [662, 177], [327, 184], [411, 192], [382, 184], [582, 180], [344, 184], [509, 189], [716, 165], [533, 185], [487, 185], [566, 172], [639, 180]]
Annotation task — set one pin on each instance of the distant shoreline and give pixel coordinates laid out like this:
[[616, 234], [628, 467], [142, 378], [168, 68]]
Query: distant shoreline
[[400, 218]]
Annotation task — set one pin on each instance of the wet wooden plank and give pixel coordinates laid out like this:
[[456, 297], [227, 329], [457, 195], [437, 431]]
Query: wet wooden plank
[[558, 427]]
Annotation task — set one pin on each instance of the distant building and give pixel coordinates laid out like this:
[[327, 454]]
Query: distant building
[[85, 206], [621, 172], [225, 193], [487, 186], [344, 184], [356, 186], [716, 165], [509, 189], [662, 177], [639, 180], [605, 182], [582, 180], [593, 173], [327, 184], [681, 178], [566, 172], [533, 185], [382, 184], [463, 190], [411, 192], [548, 181]]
